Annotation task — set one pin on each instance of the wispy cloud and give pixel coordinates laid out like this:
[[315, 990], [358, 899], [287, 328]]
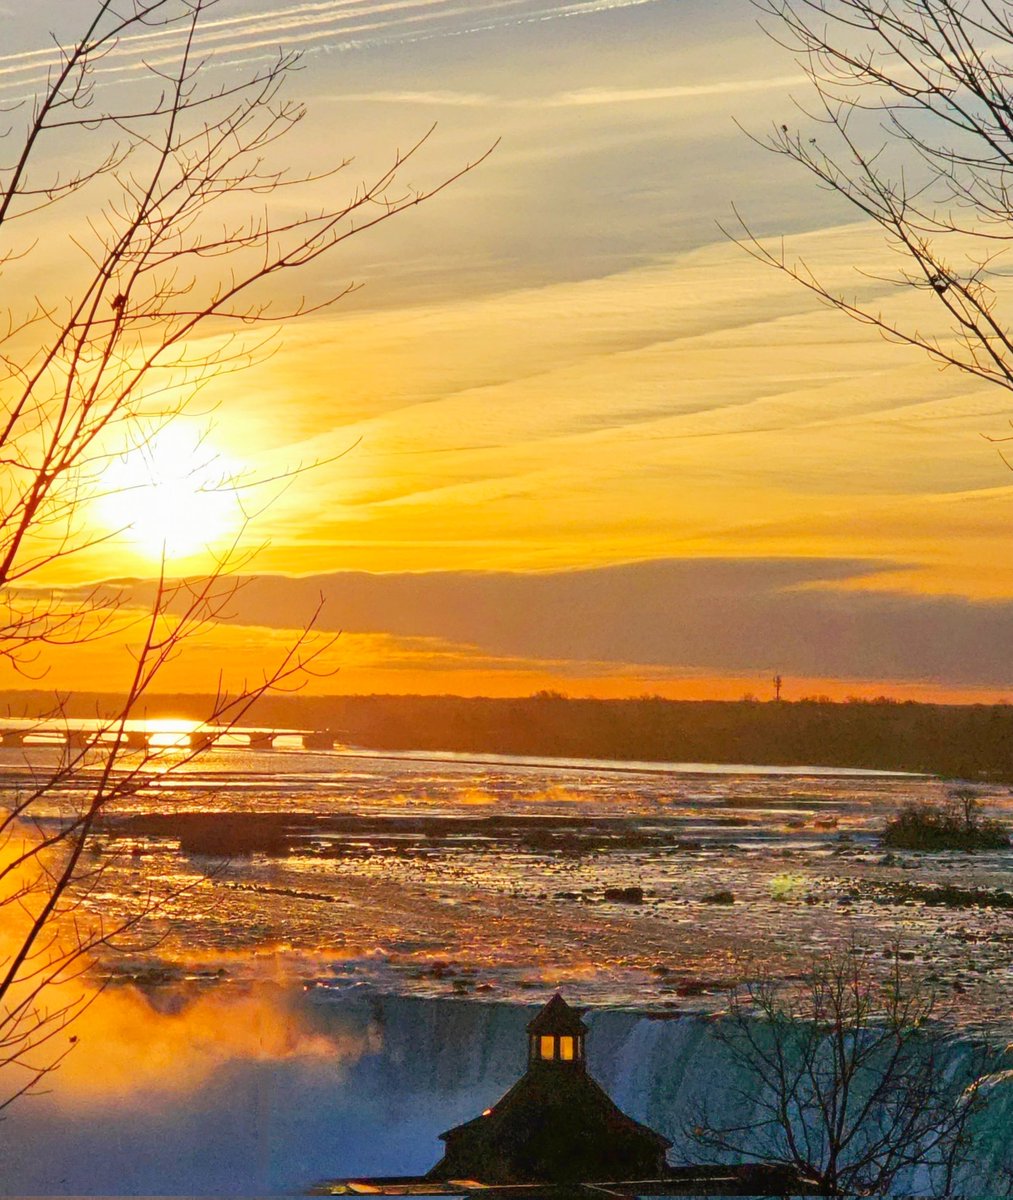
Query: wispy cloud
[[582, 98]]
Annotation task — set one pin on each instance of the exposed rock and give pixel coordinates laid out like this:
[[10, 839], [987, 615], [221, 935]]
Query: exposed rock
[[701, 987], [946, 895]]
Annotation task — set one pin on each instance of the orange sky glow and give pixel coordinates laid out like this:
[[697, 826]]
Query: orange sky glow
[[561, 367]]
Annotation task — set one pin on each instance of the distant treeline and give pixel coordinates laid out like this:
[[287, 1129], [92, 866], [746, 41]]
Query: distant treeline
[[965, 741]]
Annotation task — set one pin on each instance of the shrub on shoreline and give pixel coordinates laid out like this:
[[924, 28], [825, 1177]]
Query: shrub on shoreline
[[957, 825]]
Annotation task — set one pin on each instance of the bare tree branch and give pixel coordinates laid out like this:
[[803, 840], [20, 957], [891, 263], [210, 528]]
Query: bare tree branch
[[848, 1079], [182, 224], [910, 121]]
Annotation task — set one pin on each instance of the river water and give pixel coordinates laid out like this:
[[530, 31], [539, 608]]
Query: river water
[[326, 1006], [654, 885]]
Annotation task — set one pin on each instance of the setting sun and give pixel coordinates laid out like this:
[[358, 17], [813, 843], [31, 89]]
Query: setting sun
[[506, 564], [172, 496]]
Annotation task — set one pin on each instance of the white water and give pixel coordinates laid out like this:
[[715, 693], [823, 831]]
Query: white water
[[423, 1066]]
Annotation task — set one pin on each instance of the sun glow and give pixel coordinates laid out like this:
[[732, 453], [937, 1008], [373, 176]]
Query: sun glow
[[168, 733], [172, 495]]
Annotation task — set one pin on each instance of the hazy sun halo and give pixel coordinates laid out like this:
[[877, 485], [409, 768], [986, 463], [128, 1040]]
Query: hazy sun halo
[[172, 495]]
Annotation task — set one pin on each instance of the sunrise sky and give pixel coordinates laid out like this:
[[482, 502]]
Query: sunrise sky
[[586, 443]]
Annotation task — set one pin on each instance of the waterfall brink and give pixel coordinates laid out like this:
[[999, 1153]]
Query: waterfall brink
[[411, 1068], [458, 1058]]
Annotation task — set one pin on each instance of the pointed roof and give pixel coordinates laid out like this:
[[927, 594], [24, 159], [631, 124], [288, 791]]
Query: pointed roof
[[557, 1017], [552, 1127], [572, 1102]]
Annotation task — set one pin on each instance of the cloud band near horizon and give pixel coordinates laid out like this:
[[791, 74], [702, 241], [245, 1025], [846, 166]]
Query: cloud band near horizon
[[829, 619]]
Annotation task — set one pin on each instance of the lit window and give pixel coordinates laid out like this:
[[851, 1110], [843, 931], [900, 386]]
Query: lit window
[[566, 1048], [547, 1047]]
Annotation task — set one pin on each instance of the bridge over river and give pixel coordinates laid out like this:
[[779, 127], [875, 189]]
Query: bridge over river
[[156, 735]]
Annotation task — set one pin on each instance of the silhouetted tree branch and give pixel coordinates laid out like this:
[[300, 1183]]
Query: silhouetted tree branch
[[910, 120], [179, 225], [848, 1078]]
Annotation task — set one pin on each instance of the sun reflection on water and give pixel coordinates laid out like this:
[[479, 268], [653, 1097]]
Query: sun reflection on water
[[169, 732]]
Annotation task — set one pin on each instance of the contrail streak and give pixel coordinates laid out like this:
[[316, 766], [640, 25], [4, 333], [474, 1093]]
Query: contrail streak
[[314, 26]]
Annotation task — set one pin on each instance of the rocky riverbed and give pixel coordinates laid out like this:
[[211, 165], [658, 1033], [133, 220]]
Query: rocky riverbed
[[641, 885]]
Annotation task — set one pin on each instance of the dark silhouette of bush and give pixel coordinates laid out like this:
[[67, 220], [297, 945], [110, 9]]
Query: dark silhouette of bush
[[945, 827]]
